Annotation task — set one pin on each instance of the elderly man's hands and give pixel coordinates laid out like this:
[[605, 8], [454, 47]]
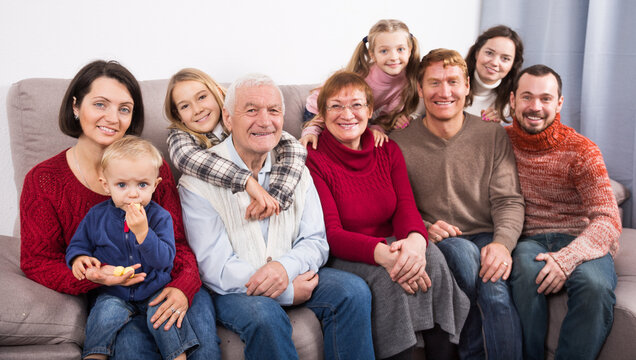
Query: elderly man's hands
[[270, 280], [304, 285]]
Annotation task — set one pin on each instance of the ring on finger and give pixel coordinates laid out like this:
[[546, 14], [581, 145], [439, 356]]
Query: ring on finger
[[173, 309], [178, 312], [505, 264]]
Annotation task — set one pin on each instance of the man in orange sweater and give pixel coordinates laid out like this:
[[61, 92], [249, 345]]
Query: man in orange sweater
[[571, 227]]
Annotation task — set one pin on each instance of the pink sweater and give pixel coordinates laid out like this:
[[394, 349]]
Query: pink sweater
[[567, 190], [365, 195]]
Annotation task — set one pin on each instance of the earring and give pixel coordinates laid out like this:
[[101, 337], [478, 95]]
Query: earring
[[76, 117]]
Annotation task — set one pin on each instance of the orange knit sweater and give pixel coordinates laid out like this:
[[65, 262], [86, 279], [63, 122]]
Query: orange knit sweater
[[567, 190]]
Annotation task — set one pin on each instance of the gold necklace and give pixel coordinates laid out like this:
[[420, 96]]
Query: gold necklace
[[79, 168]]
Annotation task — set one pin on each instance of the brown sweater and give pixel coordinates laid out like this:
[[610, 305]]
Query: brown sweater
[[469, 181], [567, 190]]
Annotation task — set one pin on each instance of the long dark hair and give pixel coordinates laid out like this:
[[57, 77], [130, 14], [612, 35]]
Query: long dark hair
[[504, 89]]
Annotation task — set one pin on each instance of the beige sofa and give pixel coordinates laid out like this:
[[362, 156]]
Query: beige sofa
[[36, 322]]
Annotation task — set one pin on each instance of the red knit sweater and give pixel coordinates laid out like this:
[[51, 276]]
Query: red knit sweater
[[54, 202], [365, 195], [567, 190]]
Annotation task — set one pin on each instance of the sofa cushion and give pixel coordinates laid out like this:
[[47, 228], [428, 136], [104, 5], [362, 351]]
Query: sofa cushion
[[32, 313], [621, 193]]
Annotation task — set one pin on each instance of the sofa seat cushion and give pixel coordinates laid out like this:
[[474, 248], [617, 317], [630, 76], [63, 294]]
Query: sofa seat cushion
[[619, 344], [33, 314]]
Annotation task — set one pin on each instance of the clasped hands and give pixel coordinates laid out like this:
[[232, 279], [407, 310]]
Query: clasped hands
[[271, 280], [405, 261]]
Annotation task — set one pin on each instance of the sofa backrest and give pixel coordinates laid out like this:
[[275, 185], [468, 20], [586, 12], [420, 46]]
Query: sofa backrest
[[33, 106]]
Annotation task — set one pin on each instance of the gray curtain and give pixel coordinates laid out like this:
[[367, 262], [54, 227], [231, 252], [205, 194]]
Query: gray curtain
[[592, 45]]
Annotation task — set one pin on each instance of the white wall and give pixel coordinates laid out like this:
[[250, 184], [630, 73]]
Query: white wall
[[289, 40]]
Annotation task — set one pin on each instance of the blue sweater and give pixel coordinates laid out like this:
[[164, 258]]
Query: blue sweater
[[101, 235]]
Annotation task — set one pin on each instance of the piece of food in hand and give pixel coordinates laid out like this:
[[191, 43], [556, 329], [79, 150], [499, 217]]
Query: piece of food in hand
[[127, 269], [137, 205], [119, 271]]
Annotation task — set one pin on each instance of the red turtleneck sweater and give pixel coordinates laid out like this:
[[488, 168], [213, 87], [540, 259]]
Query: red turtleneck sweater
[[54, 202], [567, 190], [365, 195]]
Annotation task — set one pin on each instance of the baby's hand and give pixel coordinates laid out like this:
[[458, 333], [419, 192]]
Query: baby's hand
[[491, 114], [83, 262], [379, 138], [137, 221], [309, 139], [402, 122], [263, 205]]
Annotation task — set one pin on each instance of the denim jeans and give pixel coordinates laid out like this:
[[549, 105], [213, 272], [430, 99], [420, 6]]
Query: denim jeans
[[591, 300], [498, 317], [136, 342], [341, 301], [110, 313]]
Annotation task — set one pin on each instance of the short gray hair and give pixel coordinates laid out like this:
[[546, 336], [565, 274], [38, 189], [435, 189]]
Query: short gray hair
[[249, 80]]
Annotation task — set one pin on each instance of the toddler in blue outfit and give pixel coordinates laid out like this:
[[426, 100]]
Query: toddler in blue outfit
[[128, 230]]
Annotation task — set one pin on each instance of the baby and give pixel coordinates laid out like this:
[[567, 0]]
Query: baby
[[129, 230]]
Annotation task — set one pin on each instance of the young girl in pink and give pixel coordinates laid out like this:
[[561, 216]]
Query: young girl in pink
[[193, 105], [387, 59]]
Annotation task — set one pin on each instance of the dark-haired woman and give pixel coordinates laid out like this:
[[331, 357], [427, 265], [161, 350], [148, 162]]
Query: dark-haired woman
[[102, 104], [493, 63]]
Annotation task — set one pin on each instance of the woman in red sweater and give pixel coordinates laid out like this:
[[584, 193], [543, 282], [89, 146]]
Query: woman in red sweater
[[375, 231], [102, 104]]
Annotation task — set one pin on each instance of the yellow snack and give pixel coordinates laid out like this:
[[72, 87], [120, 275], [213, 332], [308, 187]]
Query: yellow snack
[[119, 271], [137, 205], [127, 269]]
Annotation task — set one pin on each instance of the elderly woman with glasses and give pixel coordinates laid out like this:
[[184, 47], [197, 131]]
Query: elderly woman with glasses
[[375, 231]]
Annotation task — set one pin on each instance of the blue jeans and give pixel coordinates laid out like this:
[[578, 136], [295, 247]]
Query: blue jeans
[[136, 342], [498, 317], [591, 300], [341, 301], [110, 314]]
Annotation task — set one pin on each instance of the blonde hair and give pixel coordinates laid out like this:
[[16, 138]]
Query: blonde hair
[[170, 108], [361, 61], [132, 147]]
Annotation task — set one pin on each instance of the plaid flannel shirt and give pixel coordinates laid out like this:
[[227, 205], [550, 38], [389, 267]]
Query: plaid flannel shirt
[[191, 159]]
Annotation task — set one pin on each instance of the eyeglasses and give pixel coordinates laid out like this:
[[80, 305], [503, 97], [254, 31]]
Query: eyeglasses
[[337, 108]]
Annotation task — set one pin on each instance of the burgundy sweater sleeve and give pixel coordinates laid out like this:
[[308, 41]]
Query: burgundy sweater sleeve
[[43, 246], [407, 218], [185, 272], [343, 244]]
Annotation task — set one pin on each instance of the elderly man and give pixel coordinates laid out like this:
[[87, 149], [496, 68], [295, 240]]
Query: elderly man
[[572, 223], [465, 183], [255, 268]]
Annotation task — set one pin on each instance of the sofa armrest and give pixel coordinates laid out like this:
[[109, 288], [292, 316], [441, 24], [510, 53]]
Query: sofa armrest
[[33, 314]]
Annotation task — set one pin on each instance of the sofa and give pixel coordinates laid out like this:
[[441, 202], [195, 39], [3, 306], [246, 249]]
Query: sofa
[[37, 322]]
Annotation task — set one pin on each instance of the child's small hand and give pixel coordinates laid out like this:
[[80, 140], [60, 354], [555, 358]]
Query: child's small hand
[[263, 205], [105, 276], [379, 138], [137, 221], [83, 262], [402, 122], [491, 114], [309, 139]]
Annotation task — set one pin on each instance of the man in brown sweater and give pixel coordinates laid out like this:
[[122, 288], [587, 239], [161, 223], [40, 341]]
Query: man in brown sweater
[[572, 223], [465, 183]]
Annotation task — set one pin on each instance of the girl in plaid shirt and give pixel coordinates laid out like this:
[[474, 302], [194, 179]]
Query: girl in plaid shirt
[[193, 105]]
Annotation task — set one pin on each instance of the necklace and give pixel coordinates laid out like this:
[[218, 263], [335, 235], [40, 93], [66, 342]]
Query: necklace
[[79, 168]]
